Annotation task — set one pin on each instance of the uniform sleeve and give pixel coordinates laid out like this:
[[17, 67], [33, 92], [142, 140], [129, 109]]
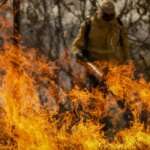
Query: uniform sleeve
[[78, 43], [124, 43]]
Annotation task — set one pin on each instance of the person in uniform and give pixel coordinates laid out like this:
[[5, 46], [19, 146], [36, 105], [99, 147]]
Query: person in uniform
[[102, 36]]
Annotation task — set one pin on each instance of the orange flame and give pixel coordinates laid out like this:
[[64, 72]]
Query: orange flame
[[26, 124]]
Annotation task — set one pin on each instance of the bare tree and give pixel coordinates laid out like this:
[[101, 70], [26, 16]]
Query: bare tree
[[16, 12], [56, 22]]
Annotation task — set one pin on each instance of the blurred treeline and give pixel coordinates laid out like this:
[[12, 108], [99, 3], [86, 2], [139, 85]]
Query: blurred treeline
[[51, 25]]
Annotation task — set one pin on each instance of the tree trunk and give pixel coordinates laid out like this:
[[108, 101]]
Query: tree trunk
[[16, 13]]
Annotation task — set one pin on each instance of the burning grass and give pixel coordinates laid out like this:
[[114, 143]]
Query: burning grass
[[31, 119]]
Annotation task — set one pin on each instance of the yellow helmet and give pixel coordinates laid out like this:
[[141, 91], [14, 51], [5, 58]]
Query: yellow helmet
[[107, 6]]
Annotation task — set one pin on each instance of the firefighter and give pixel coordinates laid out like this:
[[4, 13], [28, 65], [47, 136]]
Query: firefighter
[[102, 36]]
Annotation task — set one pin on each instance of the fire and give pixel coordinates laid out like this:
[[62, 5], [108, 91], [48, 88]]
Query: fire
[[27, 124], [23, 114], [36, 114]]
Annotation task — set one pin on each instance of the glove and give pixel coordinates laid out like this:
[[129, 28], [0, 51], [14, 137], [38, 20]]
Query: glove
[[81, 56]]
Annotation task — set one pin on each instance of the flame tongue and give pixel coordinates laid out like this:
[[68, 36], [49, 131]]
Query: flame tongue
[[21, 104]]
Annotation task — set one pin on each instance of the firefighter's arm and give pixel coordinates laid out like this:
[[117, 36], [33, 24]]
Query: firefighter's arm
[[78, 43]]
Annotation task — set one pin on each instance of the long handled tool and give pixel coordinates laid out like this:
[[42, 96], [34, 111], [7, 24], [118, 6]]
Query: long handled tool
[[92, 69]]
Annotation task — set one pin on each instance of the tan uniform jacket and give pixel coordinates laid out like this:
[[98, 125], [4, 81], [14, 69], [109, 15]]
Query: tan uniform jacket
[[107, 40]]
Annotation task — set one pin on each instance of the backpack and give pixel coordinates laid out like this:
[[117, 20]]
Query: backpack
[[120, 36], [85, 51]]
